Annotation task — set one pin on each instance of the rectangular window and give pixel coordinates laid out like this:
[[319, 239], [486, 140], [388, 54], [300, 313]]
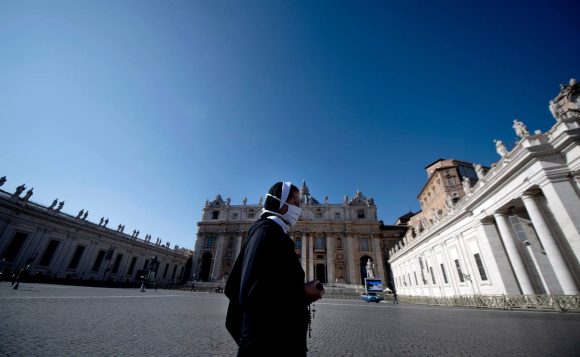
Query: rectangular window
[[165, 270], [459, 272], [215, 214], [298, 244], [234, 216], [320, 244], [98, 261], [174, 271], [451, 180], [318, 215], [251, 214], [14, 247], [444, 274], [361, 213], [74, 262], [209, 242], [49, 253], [364, 244], [432, 275], [117, 263], [132, 266], [480, 266], [337, 215]]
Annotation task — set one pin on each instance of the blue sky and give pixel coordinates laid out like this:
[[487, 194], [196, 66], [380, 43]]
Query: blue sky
[[141, 110]]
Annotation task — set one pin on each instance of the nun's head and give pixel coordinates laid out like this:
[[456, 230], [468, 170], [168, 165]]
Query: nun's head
[[284, 193]]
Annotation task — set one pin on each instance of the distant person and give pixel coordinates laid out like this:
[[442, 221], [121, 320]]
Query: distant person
[[395, 298], [268, 311], [142, 290], [19, 275], [192, 286], [156, 285]]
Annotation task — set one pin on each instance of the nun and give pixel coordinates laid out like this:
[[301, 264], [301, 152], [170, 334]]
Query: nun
[[268, 310]]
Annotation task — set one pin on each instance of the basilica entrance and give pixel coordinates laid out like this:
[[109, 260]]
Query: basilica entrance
[[321, 273], [204, 271]]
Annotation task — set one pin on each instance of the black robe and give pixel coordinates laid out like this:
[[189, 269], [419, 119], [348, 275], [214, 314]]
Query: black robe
[[268, 310]]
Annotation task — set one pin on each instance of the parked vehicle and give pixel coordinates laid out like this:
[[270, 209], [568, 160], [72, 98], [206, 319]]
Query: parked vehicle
[[372, 297]]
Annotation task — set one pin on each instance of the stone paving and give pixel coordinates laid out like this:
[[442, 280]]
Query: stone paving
[[55, 320]]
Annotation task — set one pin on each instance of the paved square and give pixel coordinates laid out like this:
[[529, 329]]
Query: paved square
[[55, 320]]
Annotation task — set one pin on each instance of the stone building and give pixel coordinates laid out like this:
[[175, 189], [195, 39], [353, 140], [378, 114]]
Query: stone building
[[62, 247], [333, 240], [516, 231]]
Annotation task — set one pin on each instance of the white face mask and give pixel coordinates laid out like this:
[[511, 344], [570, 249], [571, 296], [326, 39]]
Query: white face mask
[[291, 216]]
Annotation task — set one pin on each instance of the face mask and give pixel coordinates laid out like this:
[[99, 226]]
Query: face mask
[[291, 216]]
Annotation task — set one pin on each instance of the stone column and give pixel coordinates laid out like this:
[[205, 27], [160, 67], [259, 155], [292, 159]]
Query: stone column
[[330, 258], [239, 245], [565, 206], [553, 253], [352, 264], [379, 266], [311, 256], [217, 261], [303, 249], [509, 242]]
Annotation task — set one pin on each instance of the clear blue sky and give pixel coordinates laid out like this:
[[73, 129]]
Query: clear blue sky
[[141, 110]]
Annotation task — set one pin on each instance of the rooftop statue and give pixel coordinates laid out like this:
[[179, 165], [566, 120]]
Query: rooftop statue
[[19, 190], [466, 185], [520, 129], [60, 206], [245, 201], [53, 204], [500, 148], [85, 215], [28, 194], [566, 105], [81, 212], [2, 180], [479, 171]]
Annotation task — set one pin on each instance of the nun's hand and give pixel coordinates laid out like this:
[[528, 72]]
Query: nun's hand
[[312, 292]]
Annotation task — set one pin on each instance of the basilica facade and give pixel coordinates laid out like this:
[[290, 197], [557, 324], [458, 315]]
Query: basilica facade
[[512, 230], [334, 241]]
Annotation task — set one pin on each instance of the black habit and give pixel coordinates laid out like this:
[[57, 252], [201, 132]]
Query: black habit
[[268, 311]]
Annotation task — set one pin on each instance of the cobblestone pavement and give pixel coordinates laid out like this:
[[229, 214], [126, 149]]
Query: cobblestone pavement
[[55, 320]]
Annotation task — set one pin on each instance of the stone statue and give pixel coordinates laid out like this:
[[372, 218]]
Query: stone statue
[[500, 148], [479, 171], [119, 228], [53, 204], [228, 201], [106, 222], [2, 180], [260, 200], [81, 212], [122, 228], [449, 204], [137, 234], [345, 199], [566, 105], [466, 185], [101, 221], [85, 215], [520, 129], [326, 199], [28, 194], [206, 203], [245, 201], [60, 206], [19, 190], [370, 273]]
